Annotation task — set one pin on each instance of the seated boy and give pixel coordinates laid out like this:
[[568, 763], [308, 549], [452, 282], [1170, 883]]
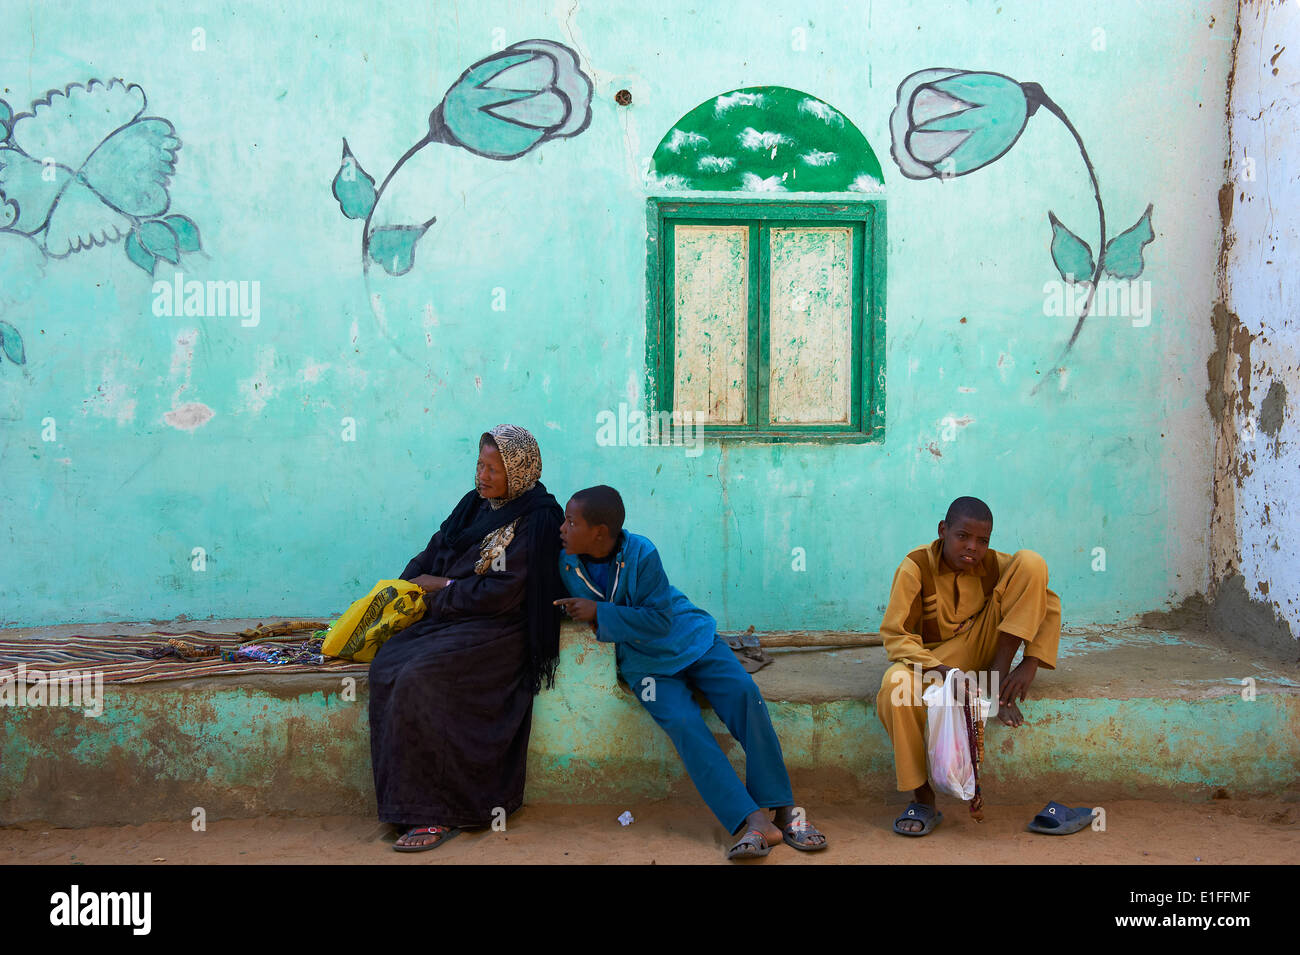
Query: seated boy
[[959, 604], [665, 645]]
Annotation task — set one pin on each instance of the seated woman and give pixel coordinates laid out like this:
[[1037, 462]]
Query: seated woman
[[451, 697]]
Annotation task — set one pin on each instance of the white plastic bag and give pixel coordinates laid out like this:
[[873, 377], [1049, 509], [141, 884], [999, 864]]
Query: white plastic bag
[[952, 770]]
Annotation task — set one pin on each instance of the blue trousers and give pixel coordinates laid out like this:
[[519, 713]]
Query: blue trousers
[[736, 699]]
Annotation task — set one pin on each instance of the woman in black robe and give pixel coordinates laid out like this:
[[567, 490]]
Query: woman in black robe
[[451, 697]]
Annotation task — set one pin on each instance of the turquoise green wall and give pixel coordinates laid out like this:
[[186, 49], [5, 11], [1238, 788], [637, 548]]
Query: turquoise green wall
[[100, 523]]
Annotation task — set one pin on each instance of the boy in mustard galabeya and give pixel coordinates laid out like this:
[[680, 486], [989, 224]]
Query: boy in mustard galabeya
[[956, 603]]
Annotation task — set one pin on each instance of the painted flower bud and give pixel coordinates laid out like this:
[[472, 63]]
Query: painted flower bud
[[951, 122], [510, 102]]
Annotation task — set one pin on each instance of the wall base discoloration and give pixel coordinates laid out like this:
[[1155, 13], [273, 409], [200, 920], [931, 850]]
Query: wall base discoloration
[[1192, 613], [1235, 618], [1254, 621]]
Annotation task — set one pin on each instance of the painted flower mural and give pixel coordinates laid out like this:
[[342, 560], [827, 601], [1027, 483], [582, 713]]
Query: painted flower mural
[[951, 122], [502, 107], [83, 168]]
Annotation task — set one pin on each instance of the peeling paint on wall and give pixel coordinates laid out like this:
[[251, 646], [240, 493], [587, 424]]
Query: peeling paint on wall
[[189, 416], [1255, 534], [711, 286], [110, 400], [259, 389], [1272, 410], [811, 314]]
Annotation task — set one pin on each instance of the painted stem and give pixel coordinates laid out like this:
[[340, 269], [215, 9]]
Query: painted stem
[[438, 133], [379, 194], [1059, 113]]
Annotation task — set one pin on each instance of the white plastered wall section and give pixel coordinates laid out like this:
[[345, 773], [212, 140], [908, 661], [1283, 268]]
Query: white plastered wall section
[[1263, 290]]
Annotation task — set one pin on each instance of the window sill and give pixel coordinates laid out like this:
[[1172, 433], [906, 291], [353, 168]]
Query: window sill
[[795, 437]]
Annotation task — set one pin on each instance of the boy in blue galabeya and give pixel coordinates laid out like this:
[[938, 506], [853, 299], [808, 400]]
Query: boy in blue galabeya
[[665, 647]]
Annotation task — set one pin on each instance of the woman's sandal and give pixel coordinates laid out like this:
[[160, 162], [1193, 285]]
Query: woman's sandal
[[798, 835], [442, 831], [752, 845]]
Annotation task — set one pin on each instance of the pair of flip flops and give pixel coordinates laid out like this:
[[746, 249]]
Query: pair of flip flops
[[1054, 820], [441, 831], [1058, 820], [796, 835]]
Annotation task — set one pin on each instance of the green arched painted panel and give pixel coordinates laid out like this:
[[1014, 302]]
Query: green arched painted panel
[[765, 139]]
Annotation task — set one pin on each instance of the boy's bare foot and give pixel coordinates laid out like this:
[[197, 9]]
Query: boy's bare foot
[[1010, 714], [925, 796]]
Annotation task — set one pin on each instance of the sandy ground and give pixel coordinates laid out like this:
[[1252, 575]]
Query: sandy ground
[[1137, 832]]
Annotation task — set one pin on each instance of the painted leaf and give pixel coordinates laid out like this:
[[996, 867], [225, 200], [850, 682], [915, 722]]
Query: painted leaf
[[393, 247], [1124, 252], [137, 254], [158, 239], [1072, 255], [8, 212], [187, 233], [11, 343], [132, 168], [6, 120], [353, 187]]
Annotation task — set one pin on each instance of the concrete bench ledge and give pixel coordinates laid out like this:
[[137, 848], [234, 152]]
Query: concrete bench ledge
[[1129, 712]]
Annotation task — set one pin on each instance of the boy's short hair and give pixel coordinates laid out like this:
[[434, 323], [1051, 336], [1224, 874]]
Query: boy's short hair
[[969, 507], [602, 505]]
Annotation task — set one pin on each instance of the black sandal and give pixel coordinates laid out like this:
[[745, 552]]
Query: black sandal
[[443, 832], [796, 835], [928, 816], [752, 845]]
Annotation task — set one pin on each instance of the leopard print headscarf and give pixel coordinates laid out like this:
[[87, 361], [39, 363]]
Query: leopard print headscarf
[[522, 457]]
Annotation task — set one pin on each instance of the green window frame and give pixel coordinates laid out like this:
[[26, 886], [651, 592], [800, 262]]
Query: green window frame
[[865, 222]]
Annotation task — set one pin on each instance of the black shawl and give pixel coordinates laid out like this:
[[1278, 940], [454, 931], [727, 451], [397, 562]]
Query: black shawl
[[541, 543]]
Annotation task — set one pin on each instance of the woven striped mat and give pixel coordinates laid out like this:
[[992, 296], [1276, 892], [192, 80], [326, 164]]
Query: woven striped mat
[[120, 658]]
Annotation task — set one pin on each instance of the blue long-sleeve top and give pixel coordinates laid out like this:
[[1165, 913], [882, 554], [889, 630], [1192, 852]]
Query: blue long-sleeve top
[[656, 630]]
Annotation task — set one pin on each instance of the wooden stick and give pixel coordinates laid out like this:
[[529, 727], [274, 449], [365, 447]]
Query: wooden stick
[[279, 629], [814, 638]]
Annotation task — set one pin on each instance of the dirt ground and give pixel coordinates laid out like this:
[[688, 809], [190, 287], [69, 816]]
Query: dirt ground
[[1137, 832]]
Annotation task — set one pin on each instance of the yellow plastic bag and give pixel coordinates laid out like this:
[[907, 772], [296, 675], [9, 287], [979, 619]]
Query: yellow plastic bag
[[392, 605]]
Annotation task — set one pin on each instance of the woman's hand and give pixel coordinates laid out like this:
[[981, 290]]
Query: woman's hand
[[584, 611], [428, 582]]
